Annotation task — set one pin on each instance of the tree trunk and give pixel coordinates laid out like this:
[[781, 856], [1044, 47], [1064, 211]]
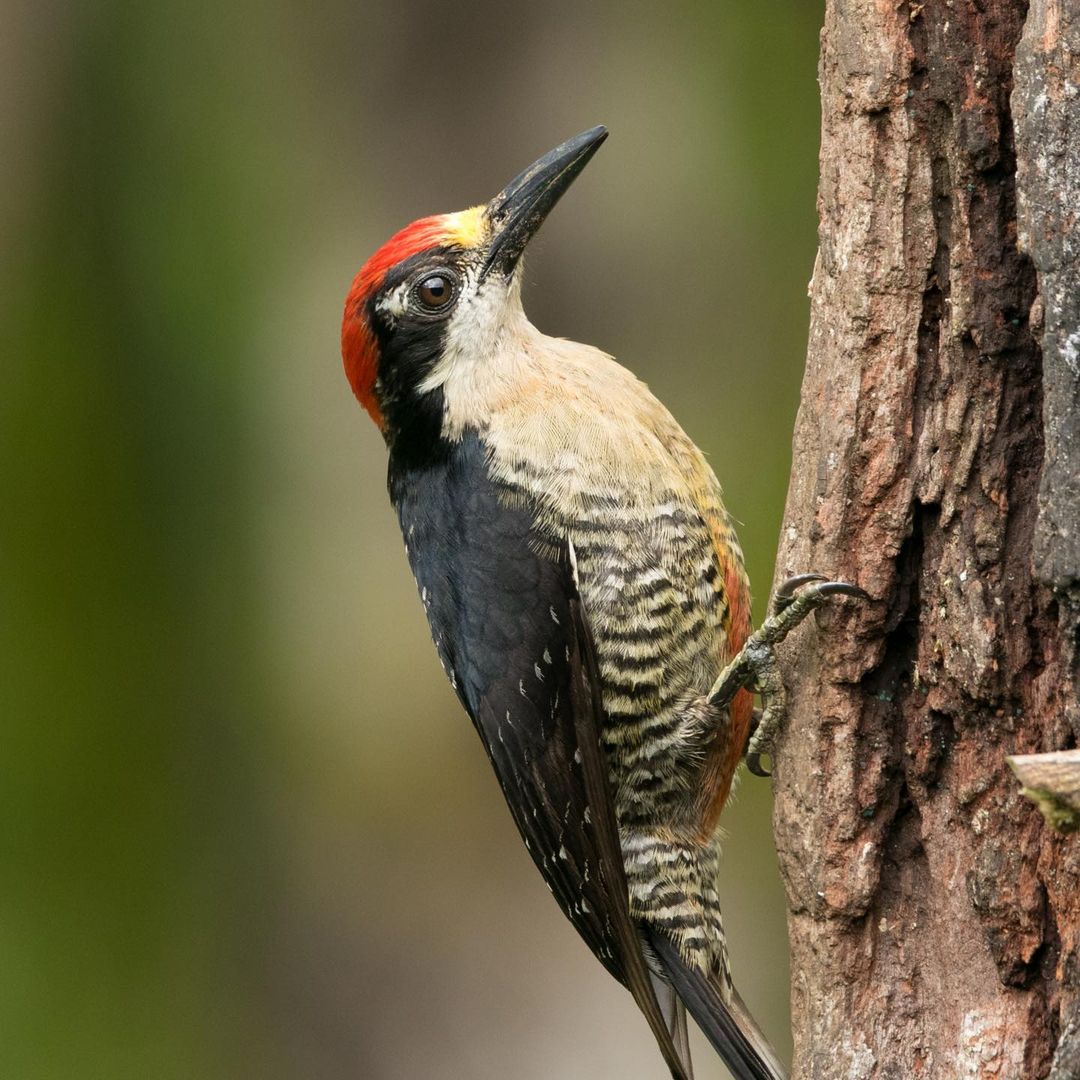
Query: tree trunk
[[934, 918]]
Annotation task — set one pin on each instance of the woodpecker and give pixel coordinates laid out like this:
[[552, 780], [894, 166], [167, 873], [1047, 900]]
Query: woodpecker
[[586, 594]]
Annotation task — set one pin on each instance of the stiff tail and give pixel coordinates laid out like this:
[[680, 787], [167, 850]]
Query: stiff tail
[[674, 1014], [728, 1026]]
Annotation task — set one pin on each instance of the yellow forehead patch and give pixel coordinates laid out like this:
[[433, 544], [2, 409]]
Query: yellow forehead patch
[[467, 228]]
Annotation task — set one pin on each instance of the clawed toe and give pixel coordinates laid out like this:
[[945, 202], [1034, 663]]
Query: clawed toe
[[811, 590], [841, 588], [786, 592], [753, 764], [791, 603]]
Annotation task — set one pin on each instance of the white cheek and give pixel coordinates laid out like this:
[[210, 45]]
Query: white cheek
[[474, 329], [469, 331], [482, 351]]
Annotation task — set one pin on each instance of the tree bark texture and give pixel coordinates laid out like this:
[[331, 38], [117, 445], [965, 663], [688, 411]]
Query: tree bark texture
[[934, 919]]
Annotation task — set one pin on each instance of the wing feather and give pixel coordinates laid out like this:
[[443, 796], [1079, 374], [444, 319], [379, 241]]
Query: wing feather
[[512, 633]]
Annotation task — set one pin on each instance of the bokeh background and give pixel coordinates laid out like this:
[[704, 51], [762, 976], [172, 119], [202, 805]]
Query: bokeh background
[[245, 830]]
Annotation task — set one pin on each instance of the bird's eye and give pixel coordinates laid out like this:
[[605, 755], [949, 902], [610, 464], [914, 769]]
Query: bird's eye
[[436, 291]]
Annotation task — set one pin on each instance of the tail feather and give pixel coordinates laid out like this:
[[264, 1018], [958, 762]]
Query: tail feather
[[674, 1014], [730, 1028]]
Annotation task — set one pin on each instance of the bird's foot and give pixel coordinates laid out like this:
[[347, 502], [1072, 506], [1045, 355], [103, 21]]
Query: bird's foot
[[755, 667]]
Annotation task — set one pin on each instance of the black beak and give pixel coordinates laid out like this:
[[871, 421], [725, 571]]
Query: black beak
[[520, 208]]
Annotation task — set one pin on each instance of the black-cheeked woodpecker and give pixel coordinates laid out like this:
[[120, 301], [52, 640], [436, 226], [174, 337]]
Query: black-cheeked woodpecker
[[586, 594]]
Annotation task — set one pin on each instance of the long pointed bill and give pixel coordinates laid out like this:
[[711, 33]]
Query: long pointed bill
[[520, 208]]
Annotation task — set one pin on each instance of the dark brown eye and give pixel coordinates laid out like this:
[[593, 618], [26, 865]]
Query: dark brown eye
[[436, 291]]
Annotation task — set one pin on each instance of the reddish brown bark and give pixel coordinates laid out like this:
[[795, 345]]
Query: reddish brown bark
[[934, 919]]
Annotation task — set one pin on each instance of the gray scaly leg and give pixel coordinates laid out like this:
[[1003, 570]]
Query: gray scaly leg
[[756, 669]]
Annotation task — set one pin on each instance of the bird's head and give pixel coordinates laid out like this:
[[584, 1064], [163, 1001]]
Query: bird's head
[[446, 284]]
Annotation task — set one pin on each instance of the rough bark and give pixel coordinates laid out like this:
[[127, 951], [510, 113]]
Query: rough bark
[[934, 919]]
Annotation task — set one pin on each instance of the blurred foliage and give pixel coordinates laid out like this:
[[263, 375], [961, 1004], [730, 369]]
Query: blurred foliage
[[247, 830]]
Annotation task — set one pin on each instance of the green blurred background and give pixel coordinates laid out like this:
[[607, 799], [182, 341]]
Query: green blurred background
[[246, 830]]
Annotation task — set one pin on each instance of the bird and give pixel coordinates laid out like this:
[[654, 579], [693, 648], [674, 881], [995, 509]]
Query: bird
[[586, 595]]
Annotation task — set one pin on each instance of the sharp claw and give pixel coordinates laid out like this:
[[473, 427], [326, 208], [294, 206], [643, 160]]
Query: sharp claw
[[841, 588], [787, 590], [753, 763], [792, 584], [782, 619], [820, 589]]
